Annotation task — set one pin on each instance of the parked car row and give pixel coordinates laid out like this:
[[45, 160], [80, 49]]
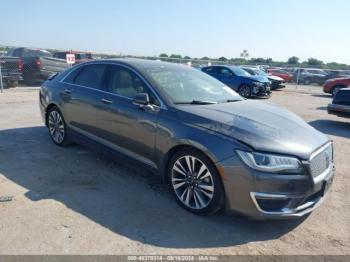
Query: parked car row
[[37, 65], [307, 76], [80, 57]]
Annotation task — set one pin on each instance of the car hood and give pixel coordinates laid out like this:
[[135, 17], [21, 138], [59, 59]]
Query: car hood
[[338, 79], [258, 78], [275, 78], [261, 125]]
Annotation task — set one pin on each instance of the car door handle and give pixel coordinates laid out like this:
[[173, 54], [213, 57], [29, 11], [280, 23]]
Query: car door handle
[[68, 91], [105, 101]]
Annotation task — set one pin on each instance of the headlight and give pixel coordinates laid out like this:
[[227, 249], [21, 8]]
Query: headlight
[[258, 83], [270, 163]]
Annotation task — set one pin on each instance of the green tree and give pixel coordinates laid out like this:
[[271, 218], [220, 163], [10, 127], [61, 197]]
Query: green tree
[[205, 58], [293, 60], [314, 62], [163, 55], [187, 57], [223, 59], [175, 56]]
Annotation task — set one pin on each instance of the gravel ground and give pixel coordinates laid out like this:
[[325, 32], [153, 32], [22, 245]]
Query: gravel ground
[[76, 201]]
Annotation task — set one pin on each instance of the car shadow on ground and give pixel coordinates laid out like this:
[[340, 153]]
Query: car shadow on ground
[[322, 96], [331, 127], [129, 202]]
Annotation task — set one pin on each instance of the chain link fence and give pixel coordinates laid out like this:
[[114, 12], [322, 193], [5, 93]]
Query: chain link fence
[[10, 72]]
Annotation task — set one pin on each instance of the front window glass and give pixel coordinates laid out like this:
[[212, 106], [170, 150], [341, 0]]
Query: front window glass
[[182, 84], [125, 83]]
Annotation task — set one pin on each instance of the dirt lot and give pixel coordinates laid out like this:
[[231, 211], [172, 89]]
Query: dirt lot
[[76, 201]]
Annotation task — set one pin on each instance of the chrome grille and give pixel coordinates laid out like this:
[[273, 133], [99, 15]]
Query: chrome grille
[[321, 161]]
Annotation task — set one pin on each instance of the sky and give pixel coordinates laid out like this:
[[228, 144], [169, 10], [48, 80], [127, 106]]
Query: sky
[[274, 29]]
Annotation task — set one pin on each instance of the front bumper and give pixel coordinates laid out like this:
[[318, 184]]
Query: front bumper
[[277, 85], [269, 196], [339, 110], [262, 90]]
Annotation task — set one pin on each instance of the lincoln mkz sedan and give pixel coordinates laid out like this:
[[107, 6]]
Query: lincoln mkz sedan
[[215, 149]]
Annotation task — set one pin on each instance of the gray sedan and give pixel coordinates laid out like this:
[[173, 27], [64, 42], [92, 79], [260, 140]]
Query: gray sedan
[[215, 149]]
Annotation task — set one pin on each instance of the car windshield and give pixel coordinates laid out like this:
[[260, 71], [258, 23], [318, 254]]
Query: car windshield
[[260, 72], [239, 71], [186, 85]]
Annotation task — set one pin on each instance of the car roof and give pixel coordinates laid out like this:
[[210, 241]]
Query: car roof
[[227, 66], [140, 64]]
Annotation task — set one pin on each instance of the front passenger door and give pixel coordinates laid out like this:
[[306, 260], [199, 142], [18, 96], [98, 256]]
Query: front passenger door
[[227, 77], [123, 125]]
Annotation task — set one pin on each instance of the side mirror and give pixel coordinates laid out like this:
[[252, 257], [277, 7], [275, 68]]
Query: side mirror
[[141, 99]]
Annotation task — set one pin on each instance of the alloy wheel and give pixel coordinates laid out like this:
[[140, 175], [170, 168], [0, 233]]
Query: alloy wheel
[[56, 126], [192, 182], [244, 91]]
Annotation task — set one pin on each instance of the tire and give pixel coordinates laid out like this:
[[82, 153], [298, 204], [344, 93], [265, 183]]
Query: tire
[[336, 89], [12, 83], [28, 78], [244, 91], [195, 182], [57, 127], [307, 81]]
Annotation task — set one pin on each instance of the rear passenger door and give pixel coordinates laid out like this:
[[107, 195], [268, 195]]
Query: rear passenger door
[[81, 95]]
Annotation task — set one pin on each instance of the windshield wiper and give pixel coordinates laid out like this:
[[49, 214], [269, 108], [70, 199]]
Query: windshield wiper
[[232, 100], [195, 102]]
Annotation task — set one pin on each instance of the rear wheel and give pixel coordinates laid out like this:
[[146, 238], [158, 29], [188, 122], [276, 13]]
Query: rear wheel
[[195, 182], [244, 91], [307, 81], [57, 127], [12, 83]]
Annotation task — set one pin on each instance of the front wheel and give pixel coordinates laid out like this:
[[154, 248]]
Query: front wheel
[[195, 182], [57, 127], [244, 91]]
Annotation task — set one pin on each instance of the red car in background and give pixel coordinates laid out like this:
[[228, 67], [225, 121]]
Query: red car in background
[[288, 77], [332, 86], [80, 57]]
